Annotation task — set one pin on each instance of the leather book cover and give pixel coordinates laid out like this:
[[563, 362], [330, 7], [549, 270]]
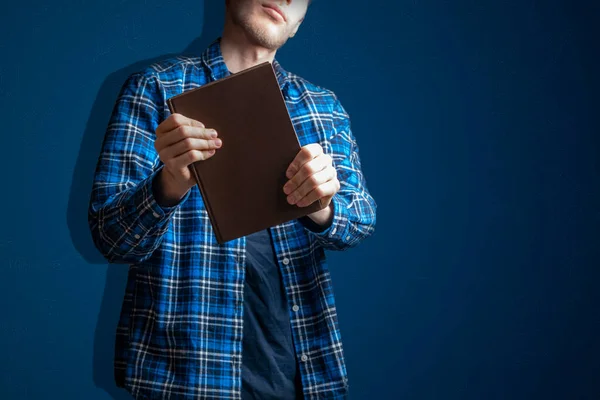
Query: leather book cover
[[242, 183]]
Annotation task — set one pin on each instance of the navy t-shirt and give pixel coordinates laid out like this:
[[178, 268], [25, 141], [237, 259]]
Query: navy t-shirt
[[269, 365]]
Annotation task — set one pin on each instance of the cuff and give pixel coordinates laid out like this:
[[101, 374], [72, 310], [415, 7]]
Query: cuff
[[152, 216], [337, 226]]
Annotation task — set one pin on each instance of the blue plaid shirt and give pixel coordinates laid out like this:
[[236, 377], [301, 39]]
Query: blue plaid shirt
[[179, 334]]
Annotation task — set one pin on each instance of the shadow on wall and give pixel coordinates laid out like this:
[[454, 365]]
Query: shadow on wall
[[116, 276]]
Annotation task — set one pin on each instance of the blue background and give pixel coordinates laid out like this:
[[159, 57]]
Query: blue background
[[477, 124]]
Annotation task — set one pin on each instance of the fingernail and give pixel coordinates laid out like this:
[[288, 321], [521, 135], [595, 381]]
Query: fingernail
[[213, 134], [218, 142]]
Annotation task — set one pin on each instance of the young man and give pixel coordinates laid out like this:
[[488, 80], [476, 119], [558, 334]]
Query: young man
[[253, 318]]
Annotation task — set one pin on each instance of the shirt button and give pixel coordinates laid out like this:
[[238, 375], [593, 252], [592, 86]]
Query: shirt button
[[347, 237], [295, 308], [155, 214], [333, 231], [137, 236], [304, 358], [286, 261]]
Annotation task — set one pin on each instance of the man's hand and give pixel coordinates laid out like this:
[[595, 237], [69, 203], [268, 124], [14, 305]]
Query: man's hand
[[312, 177], [181, 141]]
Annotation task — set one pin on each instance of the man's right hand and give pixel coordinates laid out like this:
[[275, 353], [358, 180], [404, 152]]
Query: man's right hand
[[181, 141]]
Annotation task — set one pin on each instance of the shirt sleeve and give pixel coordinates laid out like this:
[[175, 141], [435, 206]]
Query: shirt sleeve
[[125, 219], [354, 209]]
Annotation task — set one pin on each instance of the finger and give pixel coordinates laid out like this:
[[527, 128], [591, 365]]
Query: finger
[[183, 132], [324, 190], [187, 144], [173, 121], [311, 167], [189, 157], [310, 184], [305, 154]]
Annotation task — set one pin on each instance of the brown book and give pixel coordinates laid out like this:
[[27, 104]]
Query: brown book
[[242, 183]]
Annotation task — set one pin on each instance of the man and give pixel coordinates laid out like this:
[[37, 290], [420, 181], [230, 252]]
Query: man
[[255, 317]]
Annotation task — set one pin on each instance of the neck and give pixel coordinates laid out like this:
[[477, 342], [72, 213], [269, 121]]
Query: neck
[[238, 51]]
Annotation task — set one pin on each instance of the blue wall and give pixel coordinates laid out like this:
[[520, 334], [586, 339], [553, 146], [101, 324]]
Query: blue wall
[[478, 129]]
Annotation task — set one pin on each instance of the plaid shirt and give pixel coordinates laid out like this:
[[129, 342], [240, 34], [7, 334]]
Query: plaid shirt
[[179, 334]]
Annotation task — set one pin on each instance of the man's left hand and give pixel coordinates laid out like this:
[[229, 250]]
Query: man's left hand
[[311, 177]]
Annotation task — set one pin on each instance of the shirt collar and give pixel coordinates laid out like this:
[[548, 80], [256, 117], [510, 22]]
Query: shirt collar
[[212, 58]]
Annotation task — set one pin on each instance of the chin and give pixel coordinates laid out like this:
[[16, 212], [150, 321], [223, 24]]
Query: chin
[[266, 36], [260, 28]]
